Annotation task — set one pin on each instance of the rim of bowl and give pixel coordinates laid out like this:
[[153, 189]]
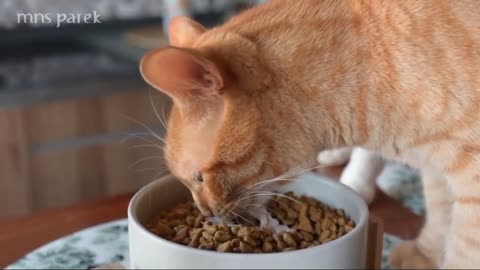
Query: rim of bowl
[[364, 213]]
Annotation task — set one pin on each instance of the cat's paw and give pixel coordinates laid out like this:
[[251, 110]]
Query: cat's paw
[[407, 256], [334, 157], [366, 189]]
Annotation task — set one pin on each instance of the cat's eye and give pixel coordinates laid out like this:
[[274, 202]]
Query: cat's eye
[[199, 177]]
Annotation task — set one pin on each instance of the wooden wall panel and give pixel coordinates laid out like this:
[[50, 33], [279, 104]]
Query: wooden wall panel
[[15, 188], [126, 111], [55, 179], [51, 121], [67, 151], [90, 172], [89, 117], [129, 167]]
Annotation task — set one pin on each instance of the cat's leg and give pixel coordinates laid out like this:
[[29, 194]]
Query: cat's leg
[[428, 249], [362, 172], [463, 238], [333, 157]]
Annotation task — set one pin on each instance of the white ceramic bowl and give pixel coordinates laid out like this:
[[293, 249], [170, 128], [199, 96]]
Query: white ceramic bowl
[[148, 251]]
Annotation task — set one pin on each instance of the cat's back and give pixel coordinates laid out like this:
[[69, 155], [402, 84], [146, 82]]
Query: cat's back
[[293, 26]]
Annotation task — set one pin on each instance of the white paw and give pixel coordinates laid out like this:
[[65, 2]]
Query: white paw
[[365, 189], [334, 157]]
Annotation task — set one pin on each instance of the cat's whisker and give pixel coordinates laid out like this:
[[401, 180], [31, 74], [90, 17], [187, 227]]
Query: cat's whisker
[[152, 144], [144, 159], [261, 206], [242, 217], [291, 173], [159, 175], [134, 135], [156, 111], [150, 130], [270, 194], [259, 188], [145, 169], [286, 174], [147, 145]]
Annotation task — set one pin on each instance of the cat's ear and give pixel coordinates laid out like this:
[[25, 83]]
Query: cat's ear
[[184, 74], [183, 31]]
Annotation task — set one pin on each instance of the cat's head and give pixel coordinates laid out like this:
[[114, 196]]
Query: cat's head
[[217, 142]]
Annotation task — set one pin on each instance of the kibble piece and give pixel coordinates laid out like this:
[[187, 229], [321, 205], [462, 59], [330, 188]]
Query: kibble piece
[[304, 244], [186, 241], [304, 222], [285, 202], [325, 235], [307, 236], [297, 236], [196, 232], [292, 214], [341, 221], [236, 242], [175, 223], [289, 249], [181, 230], [163, 229], [318, 228], [256, 234], [288, 239], [225, 247], [190, 220], [242, 232], [314, 214], [208, 236], [325, 241], [249, 240], [203, 241], [279, 242], [326, 224], [221, 236], [348, 228], [207, 246], [198, 222], [267, 247], [281, 245], [280, 213], [289, 222], [234, 230], [305, 225], [333, 228], [297, 206], [245, 248], [207, 226]]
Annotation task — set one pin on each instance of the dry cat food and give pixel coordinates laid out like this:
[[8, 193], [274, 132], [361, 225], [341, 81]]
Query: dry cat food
[[310, 223]]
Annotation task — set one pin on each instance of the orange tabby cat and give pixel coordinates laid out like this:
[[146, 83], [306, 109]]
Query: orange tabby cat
[[269, 89]]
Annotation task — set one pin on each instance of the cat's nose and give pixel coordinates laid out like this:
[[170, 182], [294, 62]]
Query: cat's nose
[[202, 204], [205, 211]]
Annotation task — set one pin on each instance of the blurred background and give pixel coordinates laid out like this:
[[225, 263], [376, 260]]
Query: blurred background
[[74, 111]]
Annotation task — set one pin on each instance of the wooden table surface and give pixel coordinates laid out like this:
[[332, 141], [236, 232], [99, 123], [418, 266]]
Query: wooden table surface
[[21, 235]]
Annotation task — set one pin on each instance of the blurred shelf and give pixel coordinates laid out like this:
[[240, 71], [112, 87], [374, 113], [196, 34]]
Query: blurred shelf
[[14, 98]]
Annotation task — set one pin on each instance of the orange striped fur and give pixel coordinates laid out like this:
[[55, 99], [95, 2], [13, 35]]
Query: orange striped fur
[[269, 89]]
